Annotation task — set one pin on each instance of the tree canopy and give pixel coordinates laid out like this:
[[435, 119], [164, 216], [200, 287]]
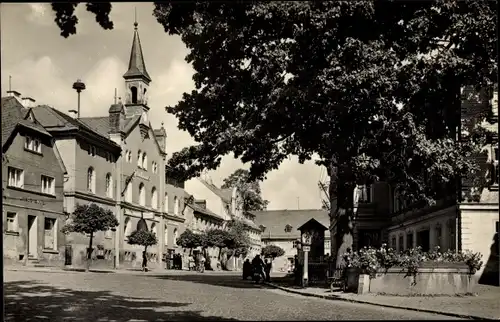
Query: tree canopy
[[189, 239], [89, 219], [272, 251], [144, 238], [251, 194]]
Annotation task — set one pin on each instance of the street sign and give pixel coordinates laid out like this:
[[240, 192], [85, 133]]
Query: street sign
[[306, 248]]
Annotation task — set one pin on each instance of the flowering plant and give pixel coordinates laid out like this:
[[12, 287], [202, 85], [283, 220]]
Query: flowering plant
[[369, 259]]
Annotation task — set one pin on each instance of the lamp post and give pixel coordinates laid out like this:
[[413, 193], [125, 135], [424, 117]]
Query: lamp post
[[306, 247], [79, 86]]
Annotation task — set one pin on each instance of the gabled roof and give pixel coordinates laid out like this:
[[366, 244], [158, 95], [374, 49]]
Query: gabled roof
[[225, 194], [199, 209], [276, 220], [14, 114], [100, 124], [136, 65], [55, 120]]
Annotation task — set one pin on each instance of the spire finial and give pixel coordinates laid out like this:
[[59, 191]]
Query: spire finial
[[135, 23]]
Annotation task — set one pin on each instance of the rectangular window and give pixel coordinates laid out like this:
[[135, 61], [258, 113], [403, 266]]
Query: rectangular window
[[33, 144], [16, 177], [11, 221], [48, 186], [50, 234], [393, 242]]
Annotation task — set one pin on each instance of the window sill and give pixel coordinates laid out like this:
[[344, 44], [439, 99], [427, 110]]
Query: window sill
[[11, 233], [50, 251], [32, 191], [34, 152], [108, 237]]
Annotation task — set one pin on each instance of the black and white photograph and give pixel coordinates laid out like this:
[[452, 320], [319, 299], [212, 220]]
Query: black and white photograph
[[250, 160]]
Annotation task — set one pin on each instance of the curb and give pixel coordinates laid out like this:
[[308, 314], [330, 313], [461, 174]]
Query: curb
[[331, 298]]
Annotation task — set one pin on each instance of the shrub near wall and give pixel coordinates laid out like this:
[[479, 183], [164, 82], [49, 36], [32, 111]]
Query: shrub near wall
[[412, 272]]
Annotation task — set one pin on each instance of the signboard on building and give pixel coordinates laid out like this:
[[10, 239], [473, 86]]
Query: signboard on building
[[306, 248]]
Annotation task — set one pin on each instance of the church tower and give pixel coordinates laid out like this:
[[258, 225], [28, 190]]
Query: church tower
[[137, 80]]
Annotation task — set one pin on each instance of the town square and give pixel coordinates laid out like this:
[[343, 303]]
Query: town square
[[300, 160]]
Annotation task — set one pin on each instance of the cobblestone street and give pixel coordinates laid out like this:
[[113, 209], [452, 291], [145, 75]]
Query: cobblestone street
[[72, 296]]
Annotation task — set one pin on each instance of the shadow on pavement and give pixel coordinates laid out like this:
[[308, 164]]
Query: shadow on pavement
[[34, 301], [233, 281]]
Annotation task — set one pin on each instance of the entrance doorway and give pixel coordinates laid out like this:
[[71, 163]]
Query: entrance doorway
[[32, 237], [423, 240]]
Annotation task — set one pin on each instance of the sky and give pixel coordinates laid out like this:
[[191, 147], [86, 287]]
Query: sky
[[44, 65]]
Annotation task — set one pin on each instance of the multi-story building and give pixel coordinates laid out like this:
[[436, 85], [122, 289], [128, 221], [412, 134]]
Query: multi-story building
[[466, 222], [32, 185], [280, 228], [226, 203], [118, 162]]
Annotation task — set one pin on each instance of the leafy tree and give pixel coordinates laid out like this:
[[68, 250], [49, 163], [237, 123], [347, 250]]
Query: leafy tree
[[190, 240], [272, 251], [67, 21], [239, 241], [219, 238], [250, 190], [144, 238], [370, 89], [89, 219]]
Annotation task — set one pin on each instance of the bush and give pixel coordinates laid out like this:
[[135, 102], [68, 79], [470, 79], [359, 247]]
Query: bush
[[369, 260]]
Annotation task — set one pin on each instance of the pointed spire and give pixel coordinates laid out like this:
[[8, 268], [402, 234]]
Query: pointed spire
[[136, 65]]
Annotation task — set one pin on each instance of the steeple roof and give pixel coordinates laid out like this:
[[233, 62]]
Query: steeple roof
[[136, 65]]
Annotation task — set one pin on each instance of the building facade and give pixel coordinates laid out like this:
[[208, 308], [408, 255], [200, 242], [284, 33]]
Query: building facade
[[466, 222], [226, 204], [32, 184], [280, 228]]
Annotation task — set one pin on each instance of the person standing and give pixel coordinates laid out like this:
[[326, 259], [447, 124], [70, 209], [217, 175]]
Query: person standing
[[267, 267]]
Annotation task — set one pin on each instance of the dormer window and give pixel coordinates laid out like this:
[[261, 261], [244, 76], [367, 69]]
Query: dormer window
[[288, 228], [33, 144]]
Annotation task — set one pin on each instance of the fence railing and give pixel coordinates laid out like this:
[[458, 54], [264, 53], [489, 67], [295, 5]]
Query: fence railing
[[325, 273]]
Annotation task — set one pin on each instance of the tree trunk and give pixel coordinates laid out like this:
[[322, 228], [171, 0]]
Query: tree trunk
[[341, 191], [89, 253]]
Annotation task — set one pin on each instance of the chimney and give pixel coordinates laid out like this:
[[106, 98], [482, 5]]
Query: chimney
[[15, 94], [116, 114], [28, 102]]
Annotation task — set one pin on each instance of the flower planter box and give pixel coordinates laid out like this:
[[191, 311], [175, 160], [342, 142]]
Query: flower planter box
[[431, 279]]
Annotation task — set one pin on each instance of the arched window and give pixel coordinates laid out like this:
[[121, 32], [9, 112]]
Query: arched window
[[129, 156], [165, 203], [175, 237], [153, 229], [154, 198], [91, 180], [133, 92], [176, 206], [142, 194], [128, 192], [144, 161], [165, 236], [139, 158], [109, 186], [127, 230]]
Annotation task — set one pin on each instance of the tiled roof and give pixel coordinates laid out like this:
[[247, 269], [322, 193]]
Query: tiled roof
[[100, 124], [276, 220], [204, 211], [53, 119], [225, 194], [14, 114]]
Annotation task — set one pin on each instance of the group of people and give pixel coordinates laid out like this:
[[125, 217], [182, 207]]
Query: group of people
[[257, 268], [196, 263]]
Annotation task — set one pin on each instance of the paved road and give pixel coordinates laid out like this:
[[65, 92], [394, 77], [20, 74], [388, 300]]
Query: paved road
[[38, 296]]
